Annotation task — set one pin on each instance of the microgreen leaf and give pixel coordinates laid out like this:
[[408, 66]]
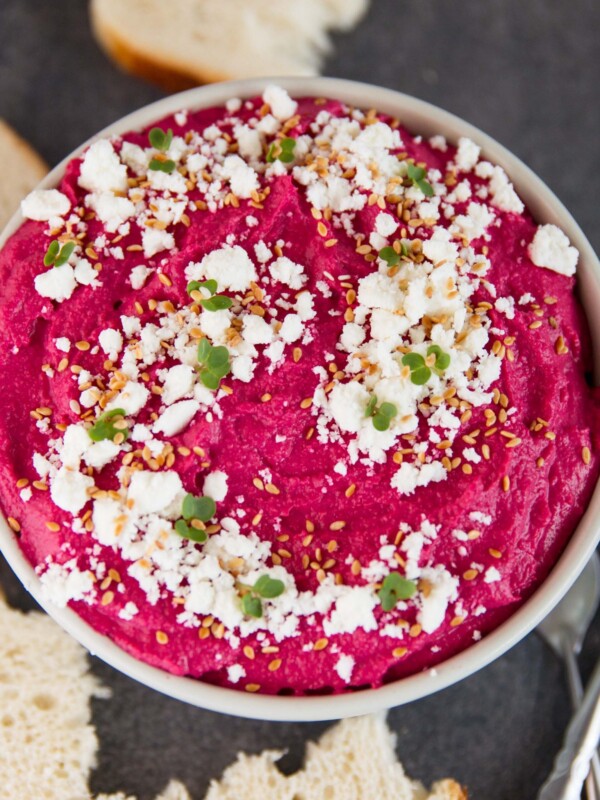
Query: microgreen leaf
[[218, 360], [268, 587], [415, 173], [216, 303], [442, 360], [419, 371], [390, 256], [381, 415], [202, 508], [51, 253], [282, 150], [108, 425], [425, 187], [159, 139], [65, 254], [388, 410], [216, 363], [370, 409], [210, 380], [188, 532], [211, 286], [56, 255], [252, 606], [162, 166], [417, 176], [204, 348], [395, 588]]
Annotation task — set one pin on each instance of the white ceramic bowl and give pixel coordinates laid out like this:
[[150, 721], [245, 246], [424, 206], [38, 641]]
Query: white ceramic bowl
[[419, 117]]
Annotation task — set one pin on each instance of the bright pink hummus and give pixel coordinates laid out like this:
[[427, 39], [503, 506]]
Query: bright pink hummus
[[471, 508]]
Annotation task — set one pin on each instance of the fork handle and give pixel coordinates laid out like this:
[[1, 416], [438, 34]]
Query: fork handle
[[592, 782]]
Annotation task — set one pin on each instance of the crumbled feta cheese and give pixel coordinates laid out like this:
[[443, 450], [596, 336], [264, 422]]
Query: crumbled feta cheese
[[550, 248], [215, 485], [45, 204], [176, 417], [57, 283], [102, 170], [282, 106]]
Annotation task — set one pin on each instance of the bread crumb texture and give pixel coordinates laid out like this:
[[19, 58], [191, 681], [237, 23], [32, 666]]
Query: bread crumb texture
[[47, 743], [180, 43], [354, 760]]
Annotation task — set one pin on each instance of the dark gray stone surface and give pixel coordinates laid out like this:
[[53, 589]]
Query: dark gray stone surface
[[525, 72]]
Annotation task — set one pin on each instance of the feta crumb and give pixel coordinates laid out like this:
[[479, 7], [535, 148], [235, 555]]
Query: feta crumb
[[111, 342], [176, 417], [215, 485], [344, 667], [45, 204], [138, 276], [57, 283], [550, 248], [102, 170], [467, 154], [282, 106]]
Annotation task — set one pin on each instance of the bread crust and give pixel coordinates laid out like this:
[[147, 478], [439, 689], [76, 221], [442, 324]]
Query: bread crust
[[24, 171], [148, 66]]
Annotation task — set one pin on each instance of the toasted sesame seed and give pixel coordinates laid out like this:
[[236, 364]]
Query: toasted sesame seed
[[272, 489], [249, 652], [470, 574], [586, 455], [107, 598], [350, 490], [505, 483], [258, 483], [399, 652], [82, 345], [514, 442], [537, 324], [415, 630], [337, 525], [306, 403], [52, 526], [203, 633], [252, 687], [16, 527], [322, 229], [62, 364], [310, 526], [457, 621], [266, 397], [22, 482], [495, 553], [40, 485], [467, 469], [321, 644], [274, 665]]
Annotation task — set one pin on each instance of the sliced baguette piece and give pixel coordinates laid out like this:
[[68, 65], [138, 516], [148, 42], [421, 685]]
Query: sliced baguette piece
[[47, 744], [181, 43], [354, 760], [21, 171], [174, 791]]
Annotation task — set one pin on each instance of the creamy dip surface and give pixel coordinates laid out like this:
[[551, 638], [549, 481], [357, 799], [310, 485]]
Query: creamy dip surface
[[294, 400]]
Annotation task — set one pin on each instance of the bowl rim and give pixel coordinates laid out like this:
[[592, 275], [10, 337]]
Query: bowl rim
[[422, 117]]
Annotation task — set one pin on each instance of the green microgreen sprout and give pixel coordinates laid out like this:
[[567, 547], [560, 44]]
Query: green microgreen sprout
[[214, 364], [195, 512], [381, 415], [266, 588], [390, 256], [417, 176], [160, 165], [215, 302], [395, 588], [160, 139], [420, 368], [110, 425], [56, 255], [282, 150]]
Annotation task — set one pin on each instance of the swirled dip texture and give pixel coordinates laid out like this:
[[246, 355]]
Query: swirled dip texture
[[293, 399]]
